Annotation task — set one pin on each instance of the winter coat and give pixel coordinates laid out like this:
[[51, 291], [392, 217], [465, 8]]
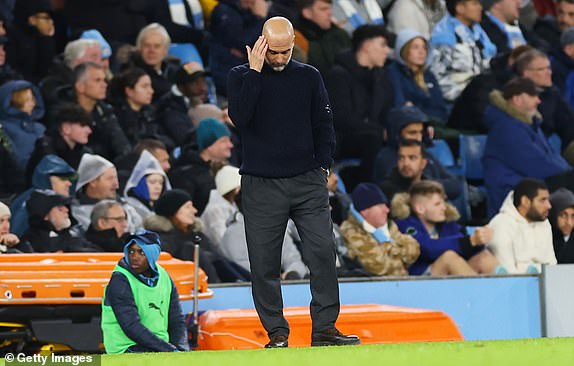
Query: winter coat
[[350, 14], [215, 216], [193, 32], [30, 52], [11, 178], [172, 112], [107, 239], [390, 258], [517, 243], [60, 79], [233, 246], [232, 27], [48, 166], [558, 118], [358, 96], [516, 148], [82, 209], [107, 138], [406, 89], [452, 236], [321, 46], [22, 129], [139, 125], [459, 53], [161, 82], [44, 239], [504, 41], [416, 15], [193, 174]]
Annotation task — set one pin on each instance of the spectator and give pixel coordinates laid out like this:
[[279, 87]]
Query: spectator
[[513, 117], [468, 110], [22, 108], [409, 122], [104, 47], [98, 180], [551, 28], [373, 239], [562, 63], [317, 36], [108, 226], [52, 172], [522, 240], [118, 21], [107, 138], [183, 20], [446, 248], [152, 46], [138, 287], [31, 42], [7, 73], [179, 229], [557, 117], [9, 242], [192, 171], [67, 139], [357, 92], [460, 47], [562, 221], [190, 89], [411, 79], [418, 15], [501, 24], [132, 93], [221, 205], [126, 163], [339, 200], [60, 79], [351, 14], [234, 24], [49, 224], [145, 184]]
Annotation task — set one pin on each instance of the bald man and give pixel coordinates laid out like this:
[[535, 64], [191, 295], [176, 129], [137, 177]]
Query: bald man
[[282, 111]]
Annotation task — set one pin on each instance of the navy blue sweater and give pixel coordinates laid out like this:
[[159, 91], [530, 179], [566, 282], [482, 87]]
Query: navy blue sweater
[[284, 119]]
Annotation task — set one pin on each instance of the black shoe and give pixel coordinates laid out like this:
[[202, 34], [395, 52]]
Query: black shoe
[[332, 337], [278, 341]]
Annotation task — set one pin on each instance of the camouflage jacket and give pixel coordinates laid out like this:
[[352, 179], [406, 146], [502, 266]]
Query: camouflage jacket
[[386, 259]]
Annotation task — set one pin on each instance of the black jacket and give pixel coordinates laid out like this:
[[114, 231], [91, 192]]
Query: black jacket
[[161, 83], [120, 297], [193, 174], [44, 239], [107, 138], [141, 124], [107, 240], [557, 116], [173, 118], [564, 250], [30, 53], [500, 38]]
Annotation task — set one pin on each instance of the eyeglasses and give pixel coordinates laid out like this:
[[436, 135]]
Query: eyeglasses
[[117, 218]]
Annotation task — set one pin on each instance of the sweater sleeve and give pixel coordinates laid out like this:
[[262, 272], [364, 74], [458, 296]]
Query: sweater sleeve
[[502, 244], [322, 125], [120, 297], [243, 89], [176, 323]]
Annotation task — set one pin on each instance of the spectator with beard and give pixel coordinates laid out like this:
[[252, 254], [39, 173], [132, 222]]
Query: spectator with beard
[[49, 224], [108, 226], [522, 240]]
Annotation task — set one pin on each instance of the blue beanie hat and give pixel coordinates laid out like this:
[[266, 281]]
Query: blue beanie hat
[[97, 36], [367, 195], [209, 131]]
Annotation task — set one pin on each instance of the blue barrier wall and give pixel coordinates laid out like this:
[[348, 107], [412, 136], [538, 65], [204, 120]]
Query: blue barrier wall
[[483, 308]]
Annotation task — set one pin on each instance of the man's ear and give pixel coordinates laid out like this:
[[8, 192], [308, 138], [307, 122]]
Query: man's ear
[[425, 162], [525, 201], [306, 13], [417, 207], [32, 20]]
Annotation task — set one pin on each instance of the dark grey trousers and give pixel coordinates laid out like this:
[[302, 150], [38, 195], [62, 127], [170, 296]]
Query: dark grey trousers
[[268, 203]]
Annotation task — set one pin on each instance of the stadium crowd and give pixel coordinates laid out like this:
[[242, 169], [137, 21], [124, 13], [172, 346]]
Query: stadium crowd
[[113, 119]]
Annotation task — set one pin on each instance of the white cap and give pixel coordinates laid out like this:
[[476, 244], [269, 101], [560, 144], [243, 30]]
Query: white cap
[[227, 179], [4, 210], [91, 166]]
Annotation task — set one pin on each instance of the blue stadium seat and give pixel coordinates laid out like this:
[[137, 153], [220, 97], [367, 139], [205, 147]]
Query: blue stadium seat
[[441, 151], [186, 52], [471, 152], [555, 143]]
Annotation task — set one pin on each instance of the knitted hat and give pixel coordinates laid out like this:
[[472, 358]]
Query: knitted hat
[[567, 37], [367, 195], [170, 202], [209, 131], [227, 179], [91, 166], [4, 210], [42, 201], [561, 199], [97, 36]]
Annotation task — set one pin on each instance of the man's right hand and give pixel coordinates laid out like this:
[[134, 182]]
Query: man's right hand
[[256, 56]]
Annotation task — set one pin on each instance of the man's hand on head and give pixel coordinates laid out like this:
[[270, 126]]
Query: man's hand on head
[[256, 56]]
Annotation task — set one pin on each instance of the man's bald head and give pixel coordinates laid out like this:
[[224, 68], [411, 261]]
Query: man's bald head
[[279, 33]]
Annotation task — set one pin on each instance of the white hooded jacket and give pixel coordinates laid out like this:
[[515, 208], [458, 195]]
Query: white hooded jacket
[[517, 243]]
